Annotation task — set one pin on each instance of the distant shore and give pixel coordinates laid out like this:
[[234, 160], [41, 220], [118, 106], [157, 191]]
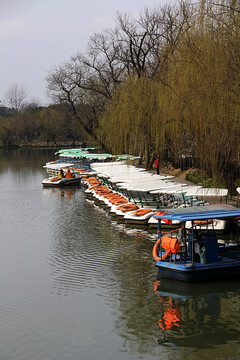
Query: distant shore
[[41, 145]]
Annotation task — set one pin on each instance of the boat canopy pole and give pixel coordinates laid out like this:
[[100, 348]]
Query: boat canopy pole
[[185, 241], [238, 232], [192, 242], [159, 231], [185, 201]]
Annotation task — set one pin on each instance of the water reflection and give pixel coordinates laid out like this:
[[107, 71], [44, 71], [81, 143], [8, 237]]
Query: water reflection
[[25, 159], [60, 192], [76, 283], [81, 250], [92, 251], [198, 315]]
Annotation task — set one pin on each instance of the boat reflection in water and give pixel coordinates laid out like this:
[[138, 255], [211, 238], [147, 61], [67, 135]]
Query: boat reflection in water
[[197, 315]]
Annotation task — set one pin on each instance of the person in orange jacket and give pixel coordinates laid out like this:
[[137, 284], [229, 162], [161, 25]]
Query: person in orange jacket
[[68, 174]]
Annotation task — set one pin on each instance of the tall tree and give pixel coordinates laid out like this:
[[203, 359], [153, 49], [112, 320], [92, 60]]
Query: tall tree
[[15, 97]]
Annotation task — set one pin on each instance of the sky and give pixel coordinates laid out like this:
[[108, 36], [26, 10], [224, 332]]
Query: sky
[[37, 35]]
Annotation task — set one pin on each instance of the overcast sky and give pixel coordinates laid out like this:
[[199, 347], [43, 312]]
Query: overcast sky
[[36, 35]]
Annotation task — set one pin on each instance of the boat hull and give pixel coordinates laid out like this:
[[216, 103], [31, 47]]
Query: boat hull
[[61, 182], [199, 272]]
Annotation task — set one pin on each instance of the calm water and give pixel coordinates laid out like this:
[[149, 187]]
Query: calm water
[[76, 285]]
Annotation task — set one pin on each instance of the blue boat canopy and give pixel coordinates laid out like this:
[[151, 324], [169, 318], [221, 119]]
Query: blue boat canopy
[[200, 213]]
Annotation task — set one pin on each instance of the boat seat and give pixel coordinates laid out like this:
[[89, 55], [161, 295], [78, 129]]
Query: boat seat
[[205, 247]]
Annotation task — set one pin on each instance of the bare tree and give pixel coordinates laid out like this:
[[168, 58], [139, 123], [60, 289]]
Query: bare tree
[[15, 97], [134, 48], [71, 83]]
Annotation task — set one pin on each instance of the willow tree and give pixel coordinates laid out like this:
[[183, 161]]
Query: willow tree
[[7, 131], [203, 109], [134, 114], [53, 124], [128, 124]]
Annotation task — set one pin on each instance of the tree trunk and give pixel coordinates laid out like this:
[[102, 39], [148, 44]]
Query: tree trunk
[[140, 160], [146, 156], [152, 159]]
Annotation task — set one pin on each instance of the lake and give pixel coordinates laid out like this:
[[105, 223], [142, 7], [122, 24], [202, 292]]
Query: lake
[[74, 284]]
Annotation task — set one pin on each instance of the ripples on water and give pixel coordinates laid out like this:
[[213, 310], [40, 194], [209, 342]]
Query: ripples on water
[[116, 260], [76, 284], [88, 245]]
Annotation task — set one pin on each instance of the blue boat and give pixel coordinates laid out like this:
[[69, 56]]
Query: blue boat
[[197, 255]]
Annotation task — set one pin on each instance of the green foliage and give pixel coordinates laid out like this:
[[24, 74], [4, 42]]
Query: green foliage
[[54, 123], [200, 177], [190, 109], [128, 124], [237, 183], [197, 177]]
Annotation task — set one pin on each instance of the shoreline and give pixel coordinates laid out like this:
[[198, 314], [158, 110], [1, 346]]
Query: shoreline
[[179, 175]]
